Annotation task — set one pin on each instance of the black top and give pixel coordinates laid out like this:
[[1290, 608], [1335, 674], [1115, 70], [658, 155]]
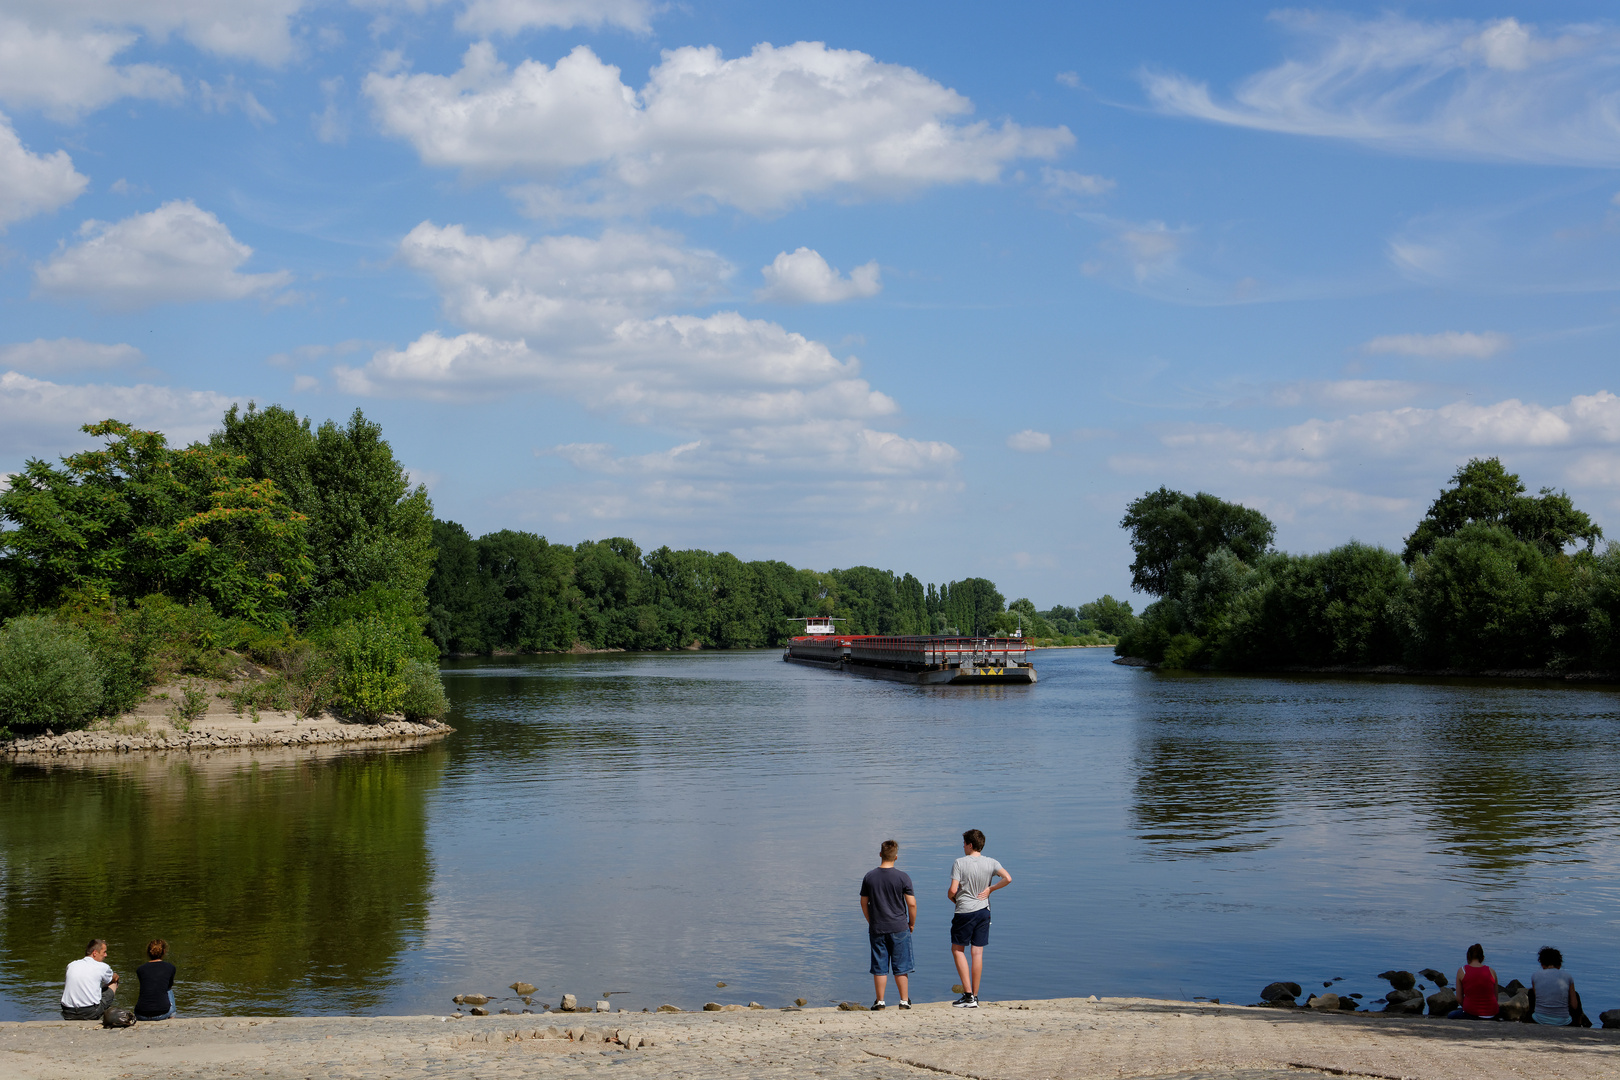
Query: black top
[[886, 890], [157, 979]]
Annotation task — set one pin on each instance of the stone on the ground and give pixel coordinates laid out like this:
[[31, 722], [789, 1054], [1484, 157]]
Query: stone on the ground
[[1325, 1003], [851, 1006], [668, 1008], [1516, 1007], [602, 1006], [1609, 1018], [800, 1002], [1400, 980], [711, 1006], [458, 999], [523, 989], [1395, 997], [1442, 1002], [507, 1012], [755, 1005], [569, 1003], [1276, 990], [473, 999], [1406, 1006], [480, 1012], [1513, 988], [1436, 977]]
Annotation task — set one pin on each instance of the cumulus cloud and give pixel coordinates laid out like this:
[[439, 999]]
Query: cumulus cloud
[[748, 401], [42, 419], [759, 132], [174, 254], [1449, 345], [67, 354], [560, 288], [33, 183], [1030, 441], [62, 57], [1500, 90], [804, 277]]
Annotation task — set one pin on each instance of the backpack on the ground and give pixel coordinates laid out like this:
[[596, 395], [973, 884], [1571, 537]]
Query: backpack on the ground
[[117, 1018]]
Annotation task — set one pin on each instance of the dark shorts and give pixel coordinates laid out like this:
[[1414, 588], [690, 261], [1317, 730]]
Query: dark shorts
[[971, 928], [892, 950]]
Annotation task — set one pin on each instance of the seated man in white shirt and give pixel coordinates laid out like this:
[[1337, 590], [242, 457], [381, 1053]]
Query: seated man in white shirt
[[91, 985]]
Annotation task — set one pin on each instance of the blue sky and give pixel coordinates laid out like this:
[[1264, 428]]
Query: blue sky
[[933, 287]]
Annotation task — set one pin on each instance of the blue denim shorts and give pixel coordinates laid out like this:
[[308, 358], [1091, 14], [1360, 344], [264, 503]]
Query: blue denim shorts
[[892, 950]]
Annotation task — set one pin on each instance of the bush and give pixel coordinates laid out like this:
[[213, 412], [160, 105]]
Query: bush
[[48, 676], [371, 659], [1183, 651], [424, 692]]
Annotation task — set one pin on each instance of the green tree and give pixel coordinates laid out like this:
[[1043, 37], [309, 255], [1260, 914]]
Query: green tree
[[1483, 598], [48, 676], [1172, 534], [1483, 492], [371, 531], [136, 518], [1108, 615]]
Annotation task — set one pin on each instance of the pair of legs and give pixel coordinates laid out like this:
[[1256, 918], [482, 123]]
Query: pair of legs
[[970, 982], [1459, 1014], [892, 952], [91, 1012], [165, 1016]]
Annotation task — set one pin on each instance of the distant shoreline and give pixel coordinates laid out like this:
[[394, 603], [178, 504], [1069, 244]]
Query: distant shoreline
[[1541, 674]]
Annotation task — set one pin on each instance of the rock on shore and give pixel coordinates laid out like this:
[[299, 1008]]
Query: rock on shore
[[318, 732]]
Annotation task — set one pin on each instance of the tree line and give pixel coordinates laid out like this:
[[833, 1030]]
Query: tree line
[[1492, 578], [511, 591]]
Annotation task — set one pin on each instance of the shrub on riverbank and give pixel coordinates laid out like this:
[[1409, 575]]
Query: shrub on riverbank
[[48, 676]]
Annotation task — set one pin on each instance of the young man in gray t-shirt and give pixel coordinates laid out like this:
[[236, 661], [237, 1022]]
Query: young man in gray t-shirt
[[973, 879]]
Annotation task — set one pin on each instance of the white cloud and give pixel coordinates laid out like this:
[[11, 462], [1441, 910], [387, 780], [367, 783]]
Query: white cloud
[[174, 254], [1500, 90], [512, 16], [1070, 79], [332, 122], [747, 401], [61, 56], [759, 132], [1030, 441], [804, 277], [1449, 345], [67, 354], [1151, 249], [560, 288], [33, 183], [42, 419], [1346, 393], [1064, 182]]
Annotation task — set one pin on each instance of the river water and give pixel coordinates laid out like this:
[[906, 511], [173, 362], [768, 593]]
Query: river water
[[652, 825]]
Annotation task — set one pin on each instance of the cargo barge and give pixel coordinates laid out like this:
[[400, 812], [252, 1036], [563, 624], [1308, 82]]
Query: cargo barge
[[922, 660]]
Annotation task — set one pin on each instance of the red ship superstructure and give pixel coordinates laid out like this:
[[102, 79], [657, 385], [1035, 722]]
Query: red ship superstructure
[[925, 660]]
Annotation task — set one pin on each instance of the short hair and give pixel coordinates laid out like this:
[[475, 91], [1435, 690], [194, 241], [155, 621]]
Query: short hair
[[95, 943], [156, 948], [1476, 952], [1550, 957], [888, 850], [974, 839]]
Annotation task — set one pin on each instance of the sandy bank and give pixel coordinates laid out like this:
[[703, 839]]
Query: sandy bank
[[1035, 1040], [218, 729]]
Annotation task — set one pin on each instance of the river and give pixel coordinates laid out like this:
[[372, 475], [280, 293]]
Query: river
[[652, 825]]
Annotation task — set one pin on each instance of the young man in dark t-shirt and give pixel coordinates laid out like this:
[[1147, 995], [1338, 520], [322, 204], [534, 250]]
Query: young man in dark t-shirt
[[890, 906]]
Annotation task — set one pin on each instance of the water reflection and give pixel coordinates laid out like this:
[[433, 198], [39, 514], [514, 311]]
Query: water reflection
[[283, 882]]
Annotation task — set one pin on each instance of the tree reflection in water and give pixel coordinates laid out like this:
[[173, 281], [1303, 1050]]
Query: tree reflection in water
[[282, 881], [1492, 775]]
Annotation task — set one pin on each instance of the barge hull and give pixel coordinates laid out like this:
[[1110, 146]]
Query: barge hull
[[1016, 676]]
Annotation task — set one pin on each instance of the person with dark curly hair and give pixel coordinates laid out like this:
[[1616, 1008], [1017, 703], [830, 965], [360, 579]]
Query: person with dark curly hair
[[1552, 991]]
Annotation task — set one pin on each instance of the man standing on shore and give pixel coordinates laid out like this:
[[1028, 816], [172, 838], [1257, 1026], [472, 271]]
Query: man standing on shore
[[890, 905], [91, 985], [973, 879]]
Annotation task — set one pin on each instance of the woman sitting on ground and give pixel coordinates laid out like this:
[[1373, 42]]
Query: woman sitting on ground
[[1476, 986], [1553, 991], [157, 984]]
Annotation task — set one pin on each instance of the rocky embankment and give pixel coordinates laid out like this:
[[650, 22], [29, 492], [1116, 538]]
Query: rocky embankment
[[1407, 997], [321, 731]]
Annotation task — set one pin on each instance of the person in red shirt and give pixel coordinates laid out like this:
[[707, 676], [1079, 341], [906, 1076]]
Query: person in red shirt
[[1476, 986]]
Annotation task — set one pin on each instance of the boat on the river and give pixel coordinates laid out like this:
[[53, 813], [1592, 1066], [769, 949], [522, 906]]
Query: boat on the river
[[925, 660]]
